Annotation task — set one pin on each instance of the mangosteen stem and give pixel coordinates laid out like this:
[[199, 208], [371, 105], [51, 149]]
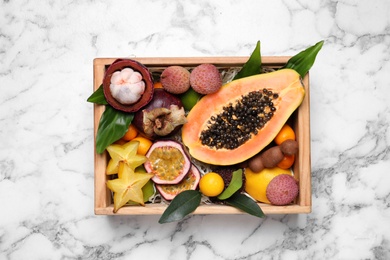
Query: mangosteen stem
[[159, 123]]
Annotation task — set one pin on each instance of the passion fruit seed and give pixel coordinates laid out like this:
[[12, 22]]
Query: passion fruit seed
[[167, 162], [190, 182], [238, 122], [185, 184]]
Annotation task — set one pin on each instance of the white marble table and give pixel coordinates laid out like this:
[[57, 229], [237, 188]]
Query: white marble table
[[46, 145]]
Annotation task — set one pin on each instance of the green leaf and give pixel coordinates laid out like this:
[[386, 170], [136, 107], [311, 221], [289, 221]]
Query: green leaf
[[252, 66], [234, 185], [183, 204], [246, 204], [98, 97], [303, 61], [112, 126]]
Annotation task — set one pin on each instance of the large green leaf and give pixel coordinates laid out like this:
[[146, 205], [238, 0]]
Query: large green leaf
[[252, 66], [246, 204], [303, 61], [98, 97], [183, 204], [112, 126], [234, 185]]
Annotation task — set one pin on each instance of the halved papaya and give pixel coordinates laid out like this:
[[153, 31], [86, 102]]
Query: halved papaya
[[243, 117]]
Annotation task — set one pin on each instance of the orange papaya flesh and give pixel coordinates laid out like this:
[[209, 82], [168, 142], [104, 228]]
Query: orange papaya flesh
[[290, 93]]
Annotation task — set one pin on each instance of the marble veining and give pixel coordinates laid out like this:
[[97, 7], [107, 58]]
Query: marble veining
[[46, 147]]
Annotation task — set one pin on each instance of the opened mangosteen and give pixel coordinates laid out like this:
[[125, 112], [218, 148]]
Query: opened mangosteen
[[162, 116], [128, 85]]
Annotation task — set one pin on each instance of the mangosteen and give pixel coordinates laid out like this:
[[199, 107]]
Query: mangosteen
[[162, 116], [128, 85]]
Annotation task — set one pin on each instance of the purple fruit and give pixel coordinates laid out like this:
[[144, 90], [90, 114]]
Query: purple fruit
[[162, 116]]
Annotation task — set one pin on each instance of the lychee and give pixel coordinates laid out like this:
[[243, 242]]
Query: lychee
[[175, 79], [282, 190], [205, 79]]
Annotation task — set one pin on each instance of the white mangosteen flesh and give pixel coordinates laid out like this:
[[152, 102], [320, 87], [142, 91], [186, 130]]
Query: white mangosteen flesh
[[127, 86]]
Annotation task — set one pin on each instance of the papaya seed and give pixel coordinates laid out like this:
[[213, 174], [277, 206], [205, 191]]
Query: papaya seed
[[239, 121]]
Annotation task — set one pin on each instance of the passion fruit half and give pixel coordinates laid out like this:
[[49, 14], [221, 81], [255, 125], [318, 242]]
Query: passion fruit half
[[119, 65], [168, 161], [189, 182]]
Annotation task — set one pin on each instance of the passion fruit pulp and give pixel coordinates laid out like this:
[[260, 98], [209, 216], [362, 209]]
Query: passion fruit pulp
[[168, 161], [189, 182]]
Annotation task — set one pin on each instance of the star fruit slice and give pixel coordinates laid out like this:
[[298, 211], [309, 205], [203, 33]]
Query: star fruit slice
[[128, 186], [126, 153]]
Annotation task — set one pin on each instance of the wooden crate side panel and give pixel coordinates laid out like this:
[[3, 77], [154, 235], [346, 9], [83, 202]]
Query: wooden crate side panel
[[193, 61], [158, 209], [305, 163], [102, 196], [302, 130]]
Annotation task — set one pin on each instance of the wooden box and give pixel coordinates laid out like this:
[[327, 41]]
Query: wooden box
[[300, 119]]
